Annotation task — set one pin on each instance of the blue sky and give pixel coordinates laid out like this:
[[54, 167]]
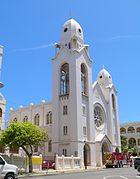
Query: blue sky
[[29, 28]]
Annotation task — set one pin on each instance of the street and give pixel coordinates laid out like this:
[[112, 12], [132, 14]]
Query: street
[[113, 173]]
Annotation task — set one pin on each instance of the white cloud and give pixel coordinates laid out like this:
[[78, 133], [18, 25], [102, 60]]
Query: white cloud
[[34, 48]]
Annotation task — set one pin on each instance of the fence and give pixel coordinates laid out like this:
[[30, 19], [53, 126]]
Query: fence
[[62, 162], [22, 162]]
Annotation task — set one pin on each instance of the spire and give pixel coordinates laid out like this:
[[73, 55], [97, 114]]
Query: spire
[[103, 67]]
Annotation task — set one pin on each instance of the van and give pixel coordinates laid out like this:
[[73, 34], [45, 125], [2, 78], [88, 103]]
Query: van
[[7, 171]]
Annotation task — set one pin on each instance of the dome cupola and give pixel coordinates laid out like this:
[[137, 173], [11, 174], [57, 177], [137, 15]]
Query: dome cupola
[[71, 33], [104, 78]]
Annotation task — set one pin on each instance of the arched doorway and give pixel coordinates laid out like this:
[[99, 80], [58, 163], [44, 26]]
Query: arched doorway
[[132, 141], [86, 155], [105, 149]]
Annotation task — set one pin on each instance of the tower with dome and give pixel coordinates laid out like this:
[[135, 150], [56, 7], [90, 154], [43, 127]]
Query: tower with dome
[[82, 119]]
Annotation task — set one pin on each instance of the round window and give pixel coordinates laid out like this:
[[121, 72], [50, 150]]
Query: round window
[[98, 117]]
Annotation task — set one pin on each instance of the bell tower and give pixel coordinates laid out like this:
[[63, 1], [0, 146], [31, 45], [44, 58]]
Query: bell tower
[[72, 96], [108, 89]]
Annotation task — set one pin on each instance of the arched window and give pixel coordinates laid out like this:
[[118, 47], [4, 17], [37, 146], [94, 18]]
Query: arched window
[[64, 79], [15, 119], [36, 119], [132, 141], [50, 146], [138, 141], [0, 112], [25, 119], [49, 118], [113, 102], [83, 79], [131, 130], [122, 130], [138, 129]]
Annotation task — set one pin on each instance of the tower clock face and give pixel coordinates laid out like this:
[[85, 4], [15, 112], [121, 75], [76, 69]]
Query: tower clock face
[[98, 117]]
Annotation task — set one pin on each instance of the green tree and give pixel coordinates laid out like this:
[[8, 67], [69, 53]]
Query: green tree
[[127, 148], [132, 150], [25, 135], [124, 146]]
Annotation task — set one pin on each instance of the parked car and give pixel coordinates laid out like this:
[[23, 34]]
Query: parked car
[[137, 162], [7, 171], [138, 169], [48, 164]]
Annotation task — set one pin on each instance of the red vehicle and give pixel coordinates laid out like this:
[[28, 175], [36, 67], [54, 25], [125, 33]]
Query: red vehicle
[[116, 159], [46, 164]]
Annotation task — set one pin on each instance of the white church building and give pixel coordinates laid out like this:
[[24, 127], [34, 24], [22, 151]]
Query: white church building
[[82, 119]]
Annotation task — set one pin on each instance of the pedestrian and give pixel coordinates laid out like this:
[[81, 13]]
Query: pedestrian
[[131, 163]]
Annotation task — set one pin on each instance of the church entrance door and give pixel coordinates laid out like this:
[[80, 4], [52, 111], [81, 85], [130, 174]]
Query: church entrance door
[[105, 149], [86, 155]]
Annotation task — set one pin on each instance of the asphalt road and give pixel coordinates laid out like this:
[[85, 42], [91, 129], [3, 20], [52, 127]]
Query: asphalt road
[[115, 173]]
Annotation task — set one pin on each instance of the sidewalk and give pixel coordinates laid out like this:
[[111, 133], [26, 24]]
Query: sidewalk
[[39, 173], [57, 172]]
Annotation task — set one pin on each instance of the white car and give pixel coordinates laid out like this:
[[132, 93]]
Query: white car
[[7, 171]]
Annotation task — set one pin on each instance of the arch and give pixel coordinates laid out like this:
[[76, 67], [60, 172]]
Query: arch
[[138, 129], [87, 156], [131, 130], [64, 79], [15, 119], [74, 43], [113, 102], [49, 118], [25, 119], [84, 85], [0, 112], [122, 130], [50, 146], [105, 149], [138, 141], [36, 119], [132, 141]]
